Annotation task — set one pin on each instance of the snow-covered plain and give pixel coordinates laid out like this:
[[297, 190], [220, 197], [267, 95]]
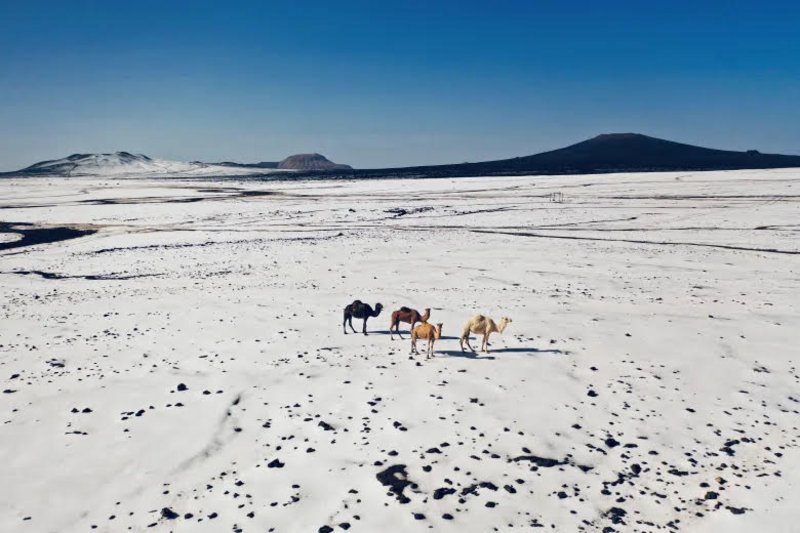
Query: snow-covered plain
[[183, 368]]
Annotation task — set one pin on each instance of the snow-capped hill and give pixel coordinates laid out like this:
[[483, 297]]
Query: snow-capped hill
[[92, 164], [125, 164]]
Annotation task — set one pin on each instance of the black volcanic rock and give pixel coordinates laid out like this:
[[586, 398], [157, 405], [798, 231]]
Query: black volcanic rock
[[310, 162]]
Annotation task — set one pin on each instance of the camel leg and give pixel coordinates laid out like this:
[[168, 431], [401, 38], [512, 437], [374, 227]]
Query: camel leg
[[414, 344], [365, 327], [350, 321], [466, 339], [486, 343], [397, 327], [344, 324]]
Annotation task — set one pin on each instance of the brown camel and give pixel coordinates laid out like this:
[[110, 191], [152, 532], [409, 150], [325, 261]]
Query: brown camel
[[428, 332], [409, 316], [482, 325]]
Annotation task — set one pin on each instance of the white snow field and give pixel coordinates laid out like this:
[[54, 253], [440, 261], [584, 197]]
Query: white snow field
[[172, 355]]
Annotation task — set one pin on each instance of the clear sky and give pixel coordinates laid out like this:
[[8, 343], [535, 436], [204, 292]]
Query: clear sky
[[382, 83]]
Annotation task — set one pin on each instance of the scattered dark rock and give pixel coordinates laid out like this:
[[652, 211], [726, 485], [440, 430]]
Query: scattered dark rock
[[440, 493], [539, 461], [473, 489], [616, 514], [396, 478], [169, 514]]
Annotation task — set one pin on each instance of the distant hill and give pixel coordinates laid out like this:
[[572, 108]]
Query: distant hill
[[633, 151], [613, 152], [307, 162], [128, 165], [91, 164], [310, 162]]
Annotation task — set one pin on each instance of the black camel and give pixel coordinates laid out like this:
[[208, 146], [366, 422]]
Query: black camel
[[358, 309]]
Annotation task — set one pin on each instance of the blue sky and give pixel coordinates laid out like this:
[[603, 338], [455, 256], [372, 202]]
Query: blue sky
[[391, 83]]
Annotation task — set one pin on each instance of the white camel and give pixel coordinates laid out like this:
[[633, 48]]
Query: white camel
[[482, 325]]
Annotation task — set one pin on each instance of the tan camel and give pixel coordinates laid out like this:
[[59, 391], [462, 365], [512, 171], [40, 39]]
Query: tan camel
[[482, 325], [428, 332], [408, 315]]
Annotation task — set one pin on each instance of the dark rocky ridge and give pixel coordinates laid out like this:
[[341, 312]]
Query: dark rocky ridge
[[614, 152]]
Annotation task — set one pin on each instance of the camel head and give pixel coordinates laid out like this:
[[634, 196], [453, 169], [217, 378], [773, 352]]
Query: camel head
[[504, 322], [426, 315], [439, 331], [378, 308]]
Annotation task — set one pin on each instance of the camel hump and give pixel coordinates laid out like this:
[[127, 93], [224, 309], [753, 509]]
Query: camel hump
[[405, 309], [357, 303]]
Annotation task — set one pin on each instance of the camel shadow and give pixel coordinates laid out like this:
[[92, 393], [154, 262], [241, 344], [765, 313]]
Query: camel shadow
[[406, 334], [526, 350], [465, 355], [473, 355]]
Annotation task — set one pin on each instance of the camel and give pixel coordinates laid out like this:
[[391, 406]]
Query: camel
[[428, 332], [482, 325], [358, 309], [409, 316]]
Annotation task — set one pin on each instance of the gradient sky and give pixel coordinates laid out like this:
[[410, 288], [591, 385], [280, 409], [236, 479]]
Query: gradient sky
[[379, 83]]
